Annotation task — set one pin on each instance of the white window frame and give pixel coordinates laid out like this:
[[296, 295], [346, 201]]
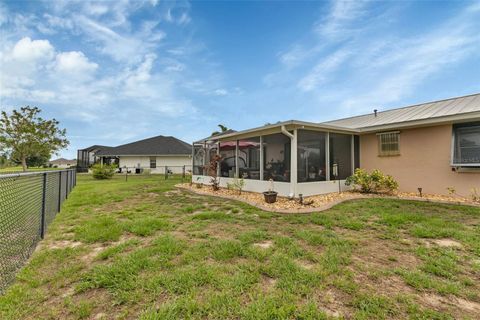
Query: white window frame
[[155, 161], [379, 144], [452, 155]]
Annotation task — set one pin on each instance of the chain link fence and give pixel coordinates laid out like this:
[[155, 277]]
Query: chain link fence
[[166, 171], [28, 204]]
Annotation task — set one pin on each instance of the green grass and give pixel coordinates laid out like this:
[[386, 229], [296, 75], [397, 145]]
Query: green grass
[[136, 250]]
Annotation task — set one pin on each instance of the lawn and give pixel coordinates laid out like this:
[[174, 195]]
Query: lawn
[[142, 249]]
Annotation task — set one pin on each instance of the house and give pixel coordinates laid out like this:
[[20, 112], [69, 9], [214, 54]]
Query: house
[[434, 146], [62, 163], [153, 154]]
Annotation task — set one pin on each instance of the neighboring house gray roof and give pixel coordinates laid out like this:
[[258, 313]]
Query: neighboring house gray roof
[[96, 148], [155, 146], [62, 161], [436, 110]]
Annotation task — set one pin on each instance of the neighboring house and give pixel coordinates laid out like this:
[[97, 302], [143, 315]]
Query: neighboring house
[[63, 163], [153, 154], [86, 157], [433, 146]]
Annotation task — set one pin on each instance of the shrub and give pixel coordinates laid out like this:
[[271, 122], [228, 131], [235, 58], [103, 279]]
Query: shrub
[[103, 172], [375, 182], [237, 184]]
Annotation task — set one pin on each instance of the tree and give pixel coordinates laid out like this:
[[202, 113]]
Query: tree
[[3, 160], [37, 160], [25, 134], [222, 130]]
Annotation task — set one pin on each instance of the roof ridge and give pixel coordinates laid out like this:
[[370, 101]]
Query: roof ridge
[[141, 140], [406, 107]]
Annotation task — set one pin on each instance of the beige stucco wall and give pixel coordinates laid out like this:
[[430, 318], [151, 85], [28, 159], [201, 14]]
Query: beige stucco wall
[[424, 161], [175, 163]]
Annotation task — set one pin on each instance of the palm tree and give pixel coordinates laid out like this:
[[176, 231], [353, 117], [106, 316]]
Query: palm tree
[[222, 130]]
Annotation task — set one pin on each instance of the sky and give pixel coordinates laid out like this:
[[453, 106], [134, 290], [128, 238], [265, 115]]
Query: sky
[[114, 72]]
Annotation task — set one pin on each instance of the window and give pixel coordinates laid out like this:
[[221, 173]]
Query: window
[[153, 162], [389, 143], [466, 144]]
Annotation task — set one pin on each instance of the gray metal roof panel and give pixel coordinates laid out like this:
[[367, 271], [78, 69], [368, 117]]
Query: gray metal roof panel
[[441, 108]]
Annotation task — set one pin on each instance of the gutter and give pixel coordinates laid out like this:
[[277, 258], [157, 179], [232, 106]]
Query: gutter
[[285, 132]]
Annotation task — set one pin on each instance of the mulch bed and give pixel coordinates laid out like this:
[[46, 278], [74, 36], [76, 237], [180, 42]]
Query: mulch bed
[[317, 202]]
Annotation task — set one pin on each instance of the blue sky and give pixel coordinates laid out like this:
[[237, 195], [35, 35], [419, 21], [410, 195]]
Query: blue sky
[[116, 71]]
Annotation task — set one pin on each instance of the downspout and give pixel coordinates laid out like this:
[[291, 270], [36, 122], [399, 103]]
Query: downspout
[[262, 161], [293, 160], [218, 164], [287, 133], [193, 162], [237, 169]]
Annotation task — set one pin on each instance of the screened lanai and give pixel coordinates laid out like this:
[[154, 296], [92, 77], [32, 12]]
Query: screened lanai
[[299, 157]]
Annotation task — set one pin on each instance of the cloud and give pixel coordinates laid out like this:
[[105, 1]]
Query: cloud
[[220, 92], [321, 72], [61, 80], [74, 64], [137, 79], [356, 57], [27, 50], [341, 19]]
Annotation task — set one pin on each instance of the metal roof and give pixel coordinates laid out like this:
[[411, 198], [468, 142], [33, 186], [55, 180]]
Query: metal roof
[[159, 145], [290, 125], [430, 110]]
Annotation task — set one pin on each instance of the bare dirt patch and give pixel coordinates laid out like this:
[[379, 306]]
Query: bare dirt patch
[[268, 283], [61, 244], [92, 254], [306, 264], [445, 243], [100, 315], [332, 303], [172, 193], [376, 253], [464, 306], [264, 244]]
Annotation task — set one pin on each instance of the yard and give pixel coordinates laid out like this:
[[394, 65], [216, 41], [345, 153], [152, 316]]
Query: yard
[[143, 249]]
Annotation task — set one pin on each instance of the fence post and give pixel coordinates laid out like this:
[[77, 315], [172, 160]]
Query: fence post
[[59, 190], [66, 186], [44, 205], [166, 172], [183, 173]]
